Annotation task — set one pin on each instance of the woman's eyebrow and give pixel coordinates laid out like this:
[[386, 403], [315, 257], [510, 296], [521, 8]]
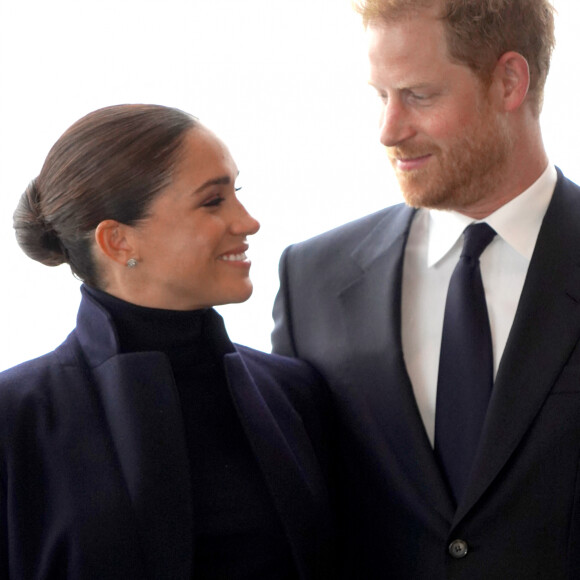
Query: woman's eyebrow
[[225, 180]]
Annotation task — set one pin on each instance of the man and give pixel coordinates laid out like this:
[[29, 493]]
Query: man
[[461, 86]]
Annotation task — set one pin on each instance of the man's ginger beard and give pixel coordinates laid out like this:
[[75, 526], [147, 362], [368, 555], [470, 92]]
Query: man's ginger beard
[[462, 173]]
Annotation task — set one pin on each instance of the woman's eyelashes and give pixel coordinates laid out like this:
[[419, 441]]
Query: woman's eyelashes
[[217, 198], [214, 201]]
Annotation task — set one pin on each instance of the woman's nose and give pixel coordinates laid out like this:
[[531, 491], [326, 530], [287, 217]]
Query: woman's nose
[[243, 222]]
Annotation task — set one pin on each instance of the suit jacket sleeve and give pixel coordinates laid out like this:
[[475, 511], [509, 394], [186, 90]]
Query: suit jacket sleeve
[[282, 336], [3, 531]]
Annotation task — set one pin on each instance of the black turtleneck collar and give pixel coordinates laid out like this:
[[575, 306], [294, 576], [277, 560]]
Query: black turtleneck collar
[[189, 334]]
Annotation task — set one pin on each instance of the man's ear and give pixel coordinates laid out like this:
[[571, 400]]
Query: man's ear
[[114, 241], [511, 78]]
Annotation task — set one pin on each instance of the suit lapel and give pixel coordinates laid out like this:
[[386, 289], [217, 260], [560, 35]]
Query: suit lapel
[[545, 330], [371, 309], [142, 411], [285, 458]]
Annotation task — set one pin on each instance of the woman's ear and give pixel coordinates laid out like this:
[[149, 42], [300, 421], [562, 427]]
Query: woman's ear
[[113, 240], [512, 79]]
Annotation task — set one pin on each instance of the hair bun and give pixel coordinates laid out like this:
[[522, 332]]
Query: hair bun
[[34, 235]]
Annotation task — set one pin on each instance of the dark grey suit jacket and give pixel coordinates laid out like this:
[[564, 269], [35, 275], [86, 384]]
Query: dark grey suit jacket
[[339, 307]]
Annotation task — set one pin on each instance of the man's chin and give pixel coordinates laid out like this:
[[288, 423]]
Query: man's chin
[[423, 198]]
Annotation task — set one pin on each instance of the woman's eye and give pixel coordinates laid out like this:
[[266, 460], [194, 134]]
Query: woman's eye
[[214, 201]]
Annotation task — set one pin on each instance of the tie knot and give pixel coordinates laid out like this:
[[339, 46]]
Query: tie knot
[[476, 238]]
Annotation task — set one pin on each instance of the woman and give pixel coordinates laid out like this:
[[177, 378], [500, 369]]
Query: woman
[[148, 445]]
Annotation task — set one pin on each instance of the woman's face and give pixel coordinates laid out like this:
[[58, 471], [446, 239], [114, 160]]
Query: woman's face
[[191, 250]]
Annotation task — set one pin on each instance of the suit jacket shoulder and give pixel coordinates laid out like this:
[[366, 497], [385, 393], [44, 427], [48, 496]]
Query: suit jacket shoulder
[[316, 272], [351, 234]]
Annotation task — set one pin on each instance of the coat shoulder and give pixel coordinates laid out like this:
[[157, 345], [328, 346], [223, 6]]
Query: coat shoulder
[[294, 377], [276, 364], [28, 376], [293, 388], [38, 383], [286, 381]]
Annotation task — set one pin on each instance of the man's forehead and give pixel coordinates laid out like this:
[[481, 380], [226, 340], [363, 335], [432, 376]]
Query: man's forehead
[[389, 11], [408, 54], [405, 38]]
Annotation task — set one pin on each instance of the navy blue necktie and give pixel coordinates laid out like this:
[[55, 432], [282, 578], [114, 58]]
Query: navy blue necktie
[[465, 365]]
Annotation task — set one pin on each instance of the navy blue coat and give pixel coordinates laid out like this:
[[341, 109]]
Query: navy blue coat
[[94, 475]]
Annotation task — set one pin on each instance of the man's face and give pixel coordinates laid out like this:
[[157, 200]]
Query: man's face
[[445, 140]]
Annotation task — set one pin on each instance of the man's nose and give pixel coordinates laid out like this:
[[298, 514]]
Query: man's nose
[[395, 125]]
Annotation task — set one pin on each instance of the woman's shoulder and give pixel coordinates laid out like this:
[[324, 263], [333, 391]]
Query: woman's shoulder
[[292, 387], [278, 366], [35, 375], [294, 379], [24, 396], [30, 370]]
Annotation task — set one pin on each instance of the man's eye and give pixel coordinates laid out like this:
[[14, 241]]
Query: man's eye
[[422, 97]]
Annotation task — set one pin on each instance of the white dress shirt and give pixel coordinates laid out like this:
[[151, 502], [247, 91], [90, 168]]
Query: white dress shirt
[[432, 251]]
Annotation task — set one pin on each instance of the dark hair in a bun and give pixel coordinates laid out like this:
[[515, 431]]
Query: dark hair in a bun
[[36, 238], [111, 164]]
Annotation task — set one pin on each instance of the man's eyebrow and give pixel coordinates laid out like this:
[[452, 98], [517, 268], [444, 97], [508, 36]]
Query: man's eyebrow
[[411, 86]]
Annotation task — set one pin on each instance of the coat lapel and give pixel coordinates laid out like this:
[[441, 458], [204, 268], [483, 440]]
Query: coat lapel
[[546, 328], [142, 410], [286, 460], [371, 309], [142, 414]]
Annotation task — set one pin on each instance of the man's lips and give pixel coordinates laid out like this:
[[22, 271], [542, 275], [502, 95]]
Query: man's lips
[[411, 163]]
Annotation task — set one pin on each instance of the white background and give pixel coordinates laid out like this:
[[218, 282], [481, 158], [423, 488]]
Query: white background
[[283, 84]]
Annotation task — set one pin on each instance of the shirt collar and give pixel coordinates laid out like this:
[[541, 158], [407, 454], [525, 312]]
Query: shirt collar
[[517, 222]]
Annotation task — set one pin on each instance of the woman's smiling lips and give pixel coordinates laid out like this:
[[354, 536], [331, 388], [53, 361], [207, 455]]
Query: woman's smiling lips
[[236, 256]]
